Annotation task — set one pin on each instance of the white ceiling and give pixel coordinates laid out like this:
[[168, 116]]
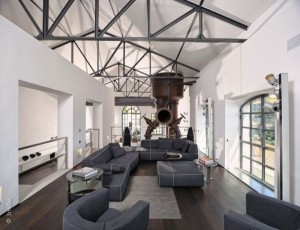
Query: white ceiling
[[133, 23]]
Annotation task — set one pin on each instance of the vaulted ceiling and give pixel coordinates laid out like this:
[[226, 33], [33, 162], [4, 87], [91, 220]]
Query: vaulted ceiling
[[124, 43]]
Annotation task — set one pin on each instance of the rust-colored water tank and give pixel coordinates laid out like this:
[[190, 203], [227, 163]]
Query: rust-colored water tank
[[167, 89]]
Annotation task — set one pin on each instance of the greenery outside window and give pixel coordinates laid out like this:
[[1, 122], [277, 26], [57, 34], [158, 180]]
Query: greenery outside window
[[257, 140]]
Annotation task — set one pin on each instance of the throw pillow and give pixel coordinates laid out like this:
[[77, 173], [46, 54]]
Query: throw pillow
[[117, 151], [165, 143]]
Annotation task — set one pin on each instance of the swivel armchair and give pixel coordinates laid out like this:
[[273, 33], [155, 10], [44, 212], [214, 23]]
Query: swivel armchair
[[92, 212], [263, 212]]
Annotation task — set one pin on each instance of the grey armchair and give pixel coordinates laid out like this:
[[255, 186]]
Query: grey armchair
[[263, 212], [92, 212]]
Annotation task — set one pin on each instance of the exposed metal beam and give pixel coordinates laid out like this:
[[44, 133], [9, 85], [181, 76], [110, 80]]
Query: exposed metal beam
[[132, 68], [121, 12], [111, 56], [187, 35], [214, 14], [148, 18], [84, 57], [60, 17], [151, 39], [96, 18], [166, 66], [174, 22], [31, 17], [45, 17], [150, 77]]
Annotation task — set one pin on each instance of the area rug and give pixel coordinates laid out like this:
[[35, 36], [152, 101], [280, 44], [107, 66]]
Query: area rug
[[163, 204]]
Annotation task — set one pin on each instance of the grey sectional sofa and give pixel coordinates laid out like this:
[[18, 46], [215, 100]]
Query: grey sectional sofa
[[116, 165], [155, 149]]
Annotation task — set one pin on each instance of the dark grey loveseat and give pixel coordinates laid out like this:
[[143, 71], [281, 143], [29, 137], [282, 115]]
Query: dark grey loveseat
[[155, 149], [92, 212], [263, 212], [116, 165]]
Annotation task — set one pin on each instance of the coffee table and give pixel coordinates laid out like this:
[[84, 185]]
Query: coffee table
[[78, 187]]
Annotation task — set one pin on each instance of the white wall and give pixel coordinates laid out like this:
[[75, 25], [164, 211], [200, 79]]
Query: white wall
[[37, 116], [273, 46], [89, 117], [28, 61]]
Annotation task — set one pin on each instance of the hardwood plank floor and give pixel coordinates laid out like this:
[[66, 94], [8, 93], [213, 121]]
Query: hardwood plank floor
[[201, 208]]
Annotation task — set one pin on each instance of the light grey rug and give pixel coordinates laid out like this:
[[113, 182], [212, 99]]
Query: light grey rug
[[163, 204]]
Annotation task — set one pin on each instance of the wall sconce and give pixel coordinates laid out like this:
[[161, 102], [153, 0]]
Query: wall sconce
[[272, 80], [79, 152]]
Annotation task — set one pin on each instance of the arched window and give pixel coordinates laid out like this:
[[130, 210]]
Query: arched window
[[257, 139], [131, 118]]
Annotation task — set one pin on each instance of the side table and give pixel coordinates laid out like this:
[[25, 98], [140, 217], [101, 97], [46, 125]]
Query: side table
[[78, 187], [208, 178]]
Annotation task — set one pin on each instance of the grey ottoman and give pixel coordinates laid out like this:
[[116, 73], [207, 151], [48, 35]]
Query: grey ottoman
[[179, 173]]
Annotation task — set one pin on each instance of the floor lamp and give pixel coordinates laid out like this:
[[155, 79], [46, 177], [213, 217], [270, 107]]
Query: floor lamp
[[278, 101]]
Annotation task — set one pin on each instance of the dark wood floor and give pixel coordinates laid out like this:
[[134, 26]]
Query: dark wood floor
[[200, 208]]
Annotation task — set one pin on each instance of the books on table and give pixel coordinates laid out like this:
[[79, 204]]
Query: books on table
[[85, 173], [206, 161]]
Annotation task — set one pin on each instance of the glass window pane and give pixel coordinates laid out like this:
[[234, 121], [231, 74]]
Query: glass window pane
[[270, 176], [256, 121], [246, 108], [246, 120], [246, 150], [256, 105], [256, 138], [270, 139], [270, 158], [256, 153], [269, 121], [246, 134], [257, 170], [246, 164]]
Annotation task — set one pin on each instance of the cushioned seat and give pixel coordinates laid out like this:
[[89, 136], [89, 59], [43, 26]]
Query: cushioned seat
[[263, 212], [179, 173], [92, 212]]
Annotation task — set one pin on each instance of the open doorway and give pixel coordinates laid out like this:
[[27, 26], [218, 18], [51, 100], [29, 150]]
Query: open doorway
[[42, 151]]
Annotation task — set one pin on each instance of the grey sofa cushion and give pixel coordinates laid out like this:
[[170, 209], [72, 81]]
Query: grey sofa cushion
[[234, 220], [111, 167], [100, 156], [117, 151], [109, 214], [165, 143], [193, 148], [185, 147], [149, 144], [178, 144], [271, 211]]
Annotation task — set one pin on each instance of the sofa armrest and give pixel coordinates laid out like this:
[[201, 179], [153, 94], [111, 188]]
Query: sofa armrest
[[271, 211], [135, 218], [236, 221]]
